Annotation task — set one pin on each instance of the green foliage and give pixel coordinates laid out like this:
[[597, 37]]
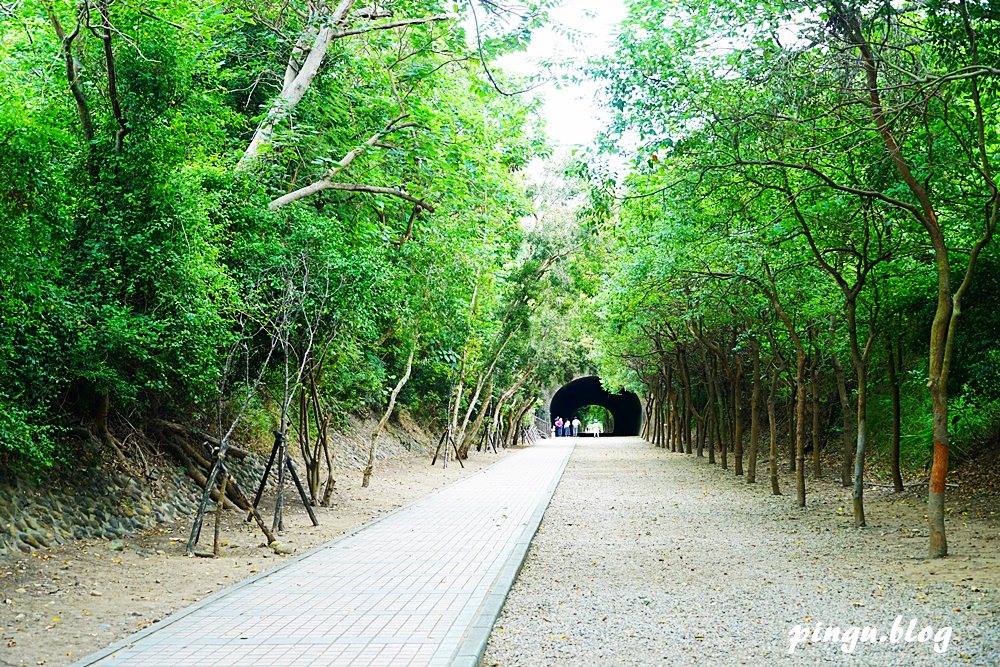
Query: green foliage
[[760, 185], [142, 265]]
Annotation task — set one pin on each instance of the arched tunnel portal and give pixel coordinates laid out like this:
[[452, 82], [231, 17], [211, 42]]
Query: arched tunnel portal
[[624, 407]]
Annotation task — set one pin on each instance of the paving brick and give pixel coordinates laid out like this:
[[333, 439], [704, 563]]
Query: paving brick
[[417, 587]]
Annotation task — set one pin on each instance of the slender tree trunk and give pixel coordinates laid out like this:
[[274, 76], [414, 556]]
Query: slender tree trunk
[[791, 433], [710, 433], [859, 358], [651, 417], [848, 419], [373, 443], [678, 418], [519, 420], [722, 425], [721, 430], [472, 406], [648, 413], [685, 411], [772, 421], [817, 471], [702, 427], [661, 410], [668, 416], [938, 546], [469, 434], [800, 428], [859, 453], [897, 477], [754, 419], [738, 417]]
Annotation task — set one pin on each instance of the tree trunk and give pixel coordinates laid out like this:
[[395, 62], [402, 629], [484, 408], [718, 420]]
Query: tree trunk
[[701, 435], [710, 432], [848, 419], [470, 434], [897, 477], [648, 414], [859, 358], [673, 412], [721, 427], [772, 421], [688, 407], [738, 417], [661, 417], [800, 395], [373, 443], [800, 426], [791, 434], [519, 420], [678, 445], [298, 77], [859, 453], [817, 471], [754, 420]]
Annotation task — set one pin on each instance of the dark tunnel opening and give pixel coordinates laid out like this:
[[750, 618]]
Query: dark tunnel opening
[[624, 407]]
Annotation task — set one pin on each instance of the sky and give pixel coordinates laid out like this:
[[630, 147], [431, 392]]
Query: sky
[[571, 113]]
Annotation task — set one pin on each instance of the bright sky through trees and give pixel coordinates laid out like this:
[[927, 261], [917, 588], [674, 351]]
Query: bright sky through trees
[[578, 30]]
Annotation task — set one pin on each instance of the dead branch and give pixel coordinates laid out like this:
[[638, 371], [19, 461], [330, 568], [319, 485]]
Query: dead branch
[[390, 26]]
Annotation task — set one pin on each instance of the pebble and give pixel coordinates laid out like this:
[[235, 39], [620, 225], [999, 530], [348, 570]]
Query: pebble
[[634, 564]]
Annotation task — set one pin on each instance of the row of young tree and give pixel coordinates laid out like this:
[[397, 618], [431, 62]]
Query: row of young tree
[[229, 218], [810, 220]]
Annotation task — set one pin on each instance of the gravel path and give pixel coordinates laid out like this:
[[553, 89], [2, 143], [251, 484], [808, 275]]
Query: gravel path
[[646, 557]]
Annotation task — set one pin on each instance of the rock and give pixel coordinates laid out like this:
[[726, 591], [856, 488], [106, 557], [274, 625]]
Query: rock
[[280, 548], [33, 541]]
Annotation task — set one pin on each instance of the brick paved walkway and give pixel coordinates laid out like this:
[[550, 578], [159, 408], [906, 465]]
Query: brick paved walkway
[[420, 586]]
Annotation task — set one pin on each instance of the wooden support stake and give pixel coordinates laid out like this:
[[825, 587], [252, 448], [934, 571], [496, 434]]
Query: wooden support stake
[[302, 491], [437, 450], [216, 546]]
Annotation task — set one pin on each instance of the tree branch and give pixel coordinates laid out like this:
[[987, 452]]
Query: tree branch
[[72, 68], [390, 26], [297, 81], [109, 59], [321, 185]]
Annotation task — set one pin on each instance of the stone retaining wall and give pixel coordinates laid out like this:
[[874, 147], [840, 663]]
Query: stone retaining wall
[[101, 504], [91, 504]]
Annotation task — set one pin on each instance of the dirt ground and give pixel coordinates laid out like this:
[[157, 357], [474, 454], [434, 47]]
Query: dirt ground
[[65, 603], [60, 605]]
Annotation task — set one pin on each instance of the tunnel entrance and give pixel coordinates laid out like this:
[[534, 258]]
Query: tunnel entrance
[[625, 408]]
